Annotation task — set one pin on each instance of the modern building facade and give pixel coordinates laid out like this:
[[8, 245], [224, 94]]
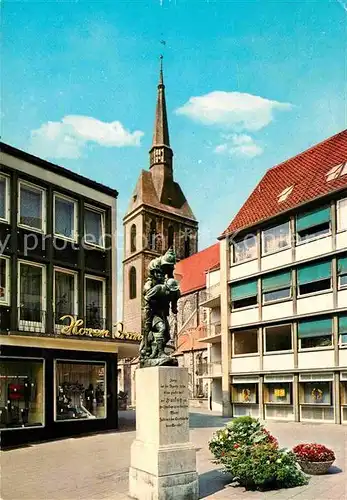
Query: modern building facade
[[281, 294], [158, 217], [57, 301]]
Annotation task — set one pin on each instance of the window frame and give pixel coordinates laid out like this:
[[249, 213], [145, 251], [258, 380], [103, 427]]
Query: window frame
[[29, 358], [41, 325], [257, 353], [133, 238], [132, 296], [340, 286], [263, 253], [248, 259], [7, 298], [338, 228], [103, 280], [7, 213], [252, 306], [24, 183], [340, 335], [75, 275], [319, 292], [279, 351], [300, 241], [317, 348], [75, 217], [92, 208], [76, 361]]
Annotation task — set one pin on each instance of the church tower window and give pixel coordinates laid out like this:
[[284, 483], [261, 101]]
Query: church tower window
[[132, 283], [187, 245], [133, 238], [171, 237], [152, 235]]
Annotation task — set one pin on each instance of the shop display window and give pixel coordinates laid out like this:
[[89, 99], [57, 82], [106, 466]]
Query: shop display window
[[316, 393], [245, 393], [80, 390], [278, 393], [21, 393]]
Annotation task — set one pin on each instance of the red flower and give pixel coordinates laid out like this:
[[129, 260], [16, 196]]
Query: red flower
[[236, 446], [313, 452]]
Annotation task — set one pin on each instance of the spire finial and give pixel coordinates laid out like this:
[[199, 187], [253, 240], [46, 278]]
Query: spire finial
[[161, 77]]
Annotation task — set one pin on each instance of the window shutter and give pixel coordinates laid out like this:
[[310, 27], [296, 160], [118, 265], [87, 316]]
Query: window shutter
[[276, 281], [313, 218], [244, 290], [342, 266], [343, 324], [317, 328], [314, 272]]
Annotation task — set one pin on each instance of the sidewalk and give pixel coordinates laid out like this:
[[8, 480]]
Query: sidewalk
[[96, 467]]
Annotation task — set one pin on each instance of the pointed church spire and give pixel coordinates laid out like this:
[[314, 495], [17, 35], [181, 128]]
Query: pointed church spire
[[161, 128], [160, 152]]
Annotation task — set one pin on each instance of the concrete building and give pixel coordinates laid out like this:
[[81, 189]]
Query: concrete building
[[158, 217], [281, 294]]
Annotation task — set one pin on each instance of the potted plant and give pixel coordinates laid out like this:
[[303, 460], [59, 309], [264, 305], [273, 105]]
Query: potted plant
[[314, 458]]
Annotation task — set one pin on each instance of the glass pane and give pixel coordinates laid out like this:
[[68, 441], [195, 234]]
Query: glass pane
[[93, 227], [245, 249], [316, 393], [64, 295], [30, 293], [278, 338], [80, 390], [312, 342], [3, 283], [311, 219], [94, 304], [342, 265], [343, 280], [343, 324], [245, 393], [246, 342], [276, 238], [64, 217], [21, 393], [277, 295], [31, 207], [278, 393], [2, 198], [314, 272]]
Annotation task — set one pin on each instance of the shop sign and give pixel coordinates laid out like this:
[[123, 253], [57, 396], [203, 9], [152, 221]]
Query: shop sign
[[75, 327], [121, 334]]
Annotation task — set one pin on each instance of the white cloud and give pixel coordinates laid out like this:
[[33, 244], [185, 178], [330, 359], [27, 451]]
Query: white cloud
[[67, 138], [235, 110], [240, 145]]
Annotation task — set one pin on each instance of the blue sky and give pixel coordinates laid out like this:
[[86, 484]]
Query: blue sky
[[249, 84]]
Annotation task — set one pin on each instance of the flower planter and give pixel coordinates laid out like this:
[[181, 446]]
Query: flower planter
[[315, 468]]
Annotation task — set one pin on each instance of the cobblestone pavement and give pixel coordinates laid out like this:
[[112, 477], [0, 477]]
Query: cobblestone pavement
[[96, 467]]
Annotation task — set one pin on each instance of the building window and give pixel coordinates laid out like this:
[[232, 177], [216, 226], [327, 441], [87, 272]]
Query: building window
[[21, 393], [343, 329], [152, 235], [342, 271], [245, 342], [187, 244], [278, 338], [277, 286], [132, 283], [245, 249], [170, 237], [31, 207], [95, 301], [31, 297], [244, 294], [4, 281], [4, 199], [65, 217], [276, 238], [315, 333], [65, 294], [314, 277], [278, 393], [245, 393], [80, 390], [313, 393], [313, 224], [133, 238], [342, 215], [94, 226]]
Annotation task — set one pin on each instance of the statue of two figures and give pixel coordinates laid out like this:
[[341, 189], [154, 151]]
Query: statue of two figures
[[160, 295]]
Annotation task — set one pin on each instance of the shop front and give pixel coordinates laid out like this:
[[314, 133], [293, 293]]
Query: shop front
[[278, 397], [245, 396], [316, 397]]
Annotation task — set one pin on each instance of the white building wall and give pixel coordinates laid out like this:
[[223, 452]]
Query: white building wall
[[245, 364], [280, 362], [316, 359], [342, 298], [277, 259], [315, 303], [216, 390], [243, 270], [277, 311], [314, 248], [341, 240], [245, 316]]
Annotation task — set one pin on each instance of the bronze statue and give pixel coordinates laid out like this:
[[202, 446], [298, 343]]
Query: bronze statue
[[160, 294]]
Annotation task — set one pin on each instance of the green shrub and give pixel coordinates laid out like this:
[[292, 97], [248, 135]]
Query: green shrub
[[263, 466], [240, 431], [251, 455]]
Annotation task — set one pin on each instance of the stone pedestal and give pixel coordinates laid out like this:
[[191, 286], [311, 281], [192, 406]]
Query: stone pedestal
[[163, 461]]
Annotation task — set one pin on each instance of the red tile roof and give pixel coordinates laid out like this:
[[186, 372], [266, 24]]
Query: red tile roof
[[306, 172], [189, 340], [190, 272]]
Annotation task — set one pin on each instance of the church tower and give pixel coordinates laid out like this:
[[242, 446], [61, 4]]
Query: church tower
[[158, 217]]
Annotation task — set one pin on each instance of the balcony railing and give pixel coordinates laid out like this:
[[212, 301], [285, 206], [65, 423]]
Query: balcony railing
[[211, 296], [31, 319], [214, 369], [213, 329]]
